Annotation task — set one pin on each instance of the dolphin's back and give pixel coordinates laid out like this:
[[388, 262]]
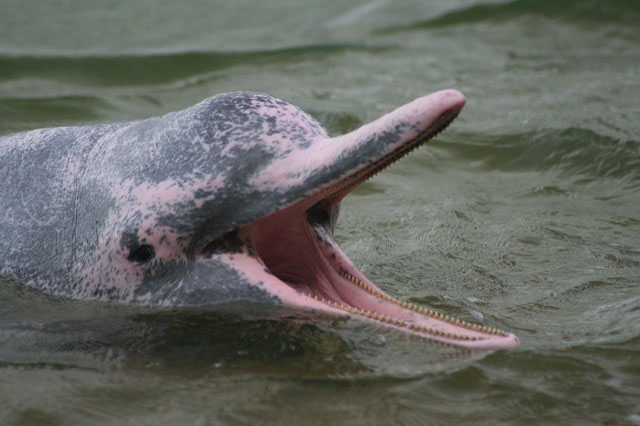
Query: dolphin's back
[[39, 173]]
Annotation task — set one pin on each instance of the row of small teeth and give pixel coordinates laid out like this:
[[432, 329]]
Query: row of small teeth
[[386, 162], [378, 167], [422, 311], [390, 320]]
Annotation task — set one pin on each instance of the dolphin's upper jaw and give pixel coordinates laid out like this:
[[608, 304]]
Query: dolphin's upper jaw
[[299, 262]]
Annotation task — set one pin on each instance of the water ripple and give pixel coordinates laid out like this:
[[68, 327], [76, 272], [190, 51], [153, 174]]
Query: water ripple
[[572, 150]]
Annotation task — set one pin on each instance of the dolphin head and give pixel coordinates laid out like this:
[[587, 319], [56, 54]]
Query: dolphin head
[[235, 200]]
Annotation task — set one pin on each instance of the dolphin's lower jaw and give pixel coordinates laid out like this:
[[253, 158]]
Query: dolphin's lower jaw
[[292, 256]]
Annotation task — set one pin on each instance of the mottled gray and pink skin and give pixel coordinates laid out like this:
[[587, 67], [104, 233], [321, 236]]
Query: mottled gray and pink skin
[[231, 195]]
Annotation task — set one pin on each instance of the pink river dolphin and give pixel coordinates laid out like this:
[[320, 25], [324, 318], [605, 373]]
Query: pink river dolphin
[[233, 200]]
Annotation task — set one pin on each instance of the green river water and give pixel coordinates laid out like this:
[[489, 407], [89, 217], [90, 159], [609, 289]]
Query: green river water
[[524, 214]]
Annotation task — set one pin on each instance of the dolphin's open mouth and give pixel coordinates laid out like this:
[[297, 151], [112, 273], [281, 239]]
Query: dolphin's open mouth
[[232, 200], [304, 266]]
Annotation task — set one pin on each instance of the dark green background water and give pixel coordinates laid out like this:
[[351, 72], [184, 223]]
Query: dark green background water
[[525, 214]]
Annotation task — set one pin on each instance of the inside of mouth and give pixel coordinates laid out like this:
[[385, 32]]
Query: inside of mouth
[[300, 251]]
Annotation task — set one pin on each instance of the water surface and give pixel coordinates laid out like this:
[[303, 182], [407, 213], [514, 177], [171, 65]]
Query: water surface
[[524, 214]]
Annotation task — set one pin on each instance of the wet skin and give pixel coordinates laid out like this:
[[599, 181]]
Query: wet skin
[[232, 200]]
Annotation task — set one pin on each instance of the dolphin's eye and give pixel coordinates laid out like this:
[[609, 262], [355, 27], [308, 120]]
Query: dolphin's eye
[[141, 254]]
